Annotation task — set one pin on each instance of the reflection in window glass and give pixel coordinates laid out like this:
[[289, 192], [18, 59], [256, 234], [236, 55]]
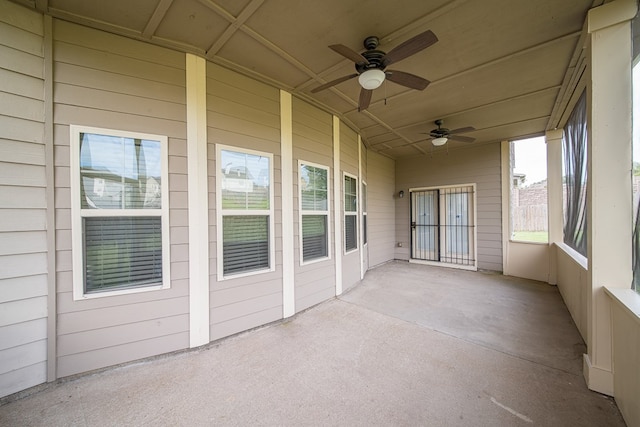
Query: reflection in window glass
[[314, 212], [246, 214], [119, 224], [313, 188], [350, 213], [119, 173], [245, 181]]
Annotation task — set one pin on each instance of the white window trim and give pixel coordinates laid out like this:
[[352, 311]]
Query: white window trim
[[346, 213], [363, 195], [301, 213], [77, 213], [243, 212]]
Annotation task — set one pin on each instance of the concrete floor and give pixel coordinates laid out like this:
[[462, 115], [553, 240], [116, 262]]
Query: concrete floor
[[411, 345]]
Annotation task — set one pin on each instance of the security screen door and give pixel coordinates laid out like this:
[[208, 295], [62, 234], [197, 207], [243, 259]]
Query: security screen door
[[442, 225]]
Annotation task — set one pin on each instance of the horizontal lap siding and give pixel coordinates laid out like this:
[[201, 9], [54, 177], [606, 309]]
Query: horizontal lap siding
[[349, 164], [312, 142], [243, 113], [23, 238], [479, 165], [381, 211], [108, 81]]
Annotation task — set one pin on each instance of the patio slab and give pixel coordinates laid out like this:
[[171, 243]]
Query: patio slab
[[371, 357]]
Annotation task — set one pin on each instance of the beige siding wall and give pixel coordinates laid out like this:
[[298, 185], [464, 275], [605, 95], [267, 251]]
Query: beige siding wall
[[479, 165], [108, 81], [23, 238], [243, 113], [349, 164], [381, 209], [312, 142]]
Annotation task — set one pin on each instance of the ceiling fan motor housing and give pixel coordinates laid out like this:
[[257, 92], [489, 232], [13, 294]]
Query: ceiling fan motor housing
[[375, 58]]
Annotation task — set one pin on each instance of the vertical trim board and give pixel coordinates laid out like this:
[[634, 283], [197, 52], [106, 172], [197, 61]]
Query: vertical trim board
[[198, 201], [337, 203], [286, 147]]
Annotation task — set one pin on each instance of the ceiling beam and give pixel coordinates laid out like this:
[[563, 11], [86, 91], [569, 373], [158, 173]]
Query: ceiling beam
[[42, 5], [236, 24], [156, 18]]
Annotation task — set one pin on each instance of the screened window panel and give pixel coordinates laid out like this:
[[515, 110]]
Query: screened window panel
[[574, 158], [314, 237], [245, 243], [122, 252], [364, 229], [364, 197], [350, 194], [245, 181], [119, 173], [350, 232], [313, 188]]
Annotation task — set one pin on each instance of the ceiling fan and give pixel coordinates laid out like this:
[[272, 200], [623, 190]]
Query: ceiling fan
[[371, 65], [441, 135]]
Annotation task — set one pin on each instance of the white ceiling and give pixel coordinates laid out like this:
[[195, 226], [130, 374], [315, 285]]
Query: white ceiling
[[501, 66]]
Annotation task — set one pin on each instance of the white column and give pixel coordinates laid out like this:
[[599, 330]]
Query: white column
[[359, 222], [196, 69], [554, 198], [337, 204], [609, 178], [286, 152], [505, 168]]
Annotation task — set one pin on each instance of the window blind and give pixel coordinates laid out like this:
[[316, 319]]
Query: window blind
[[350, 235], [246, 243], [122, 252], [314, 237]]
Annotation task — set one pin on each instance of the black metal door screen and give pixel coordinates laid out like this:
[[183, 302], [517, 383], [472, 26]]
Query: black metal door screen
[[442, 225]]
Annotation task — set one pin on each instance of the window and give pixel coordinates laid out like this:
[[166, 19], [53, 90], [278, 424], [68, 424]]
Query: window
[[636, 172], [314, 212], [364, 213], [529, 190], [574, 179], [120, 222], [350, 213], [245, 212]]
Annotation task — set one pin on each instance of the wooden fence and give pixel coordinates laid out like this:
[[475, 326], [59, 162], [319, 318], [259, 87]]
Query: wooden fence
[[530, 218]]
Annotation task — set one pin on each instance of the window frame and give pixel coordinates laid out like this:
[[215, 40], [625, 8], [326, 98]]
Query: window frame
[[512, 186], [346, 213], [221, 213], [78, 213], [302, 212]]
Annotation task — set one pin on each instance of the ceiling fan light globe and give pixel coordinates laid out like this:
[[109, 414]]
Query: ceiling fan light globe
[[371, 79], [439, 141]]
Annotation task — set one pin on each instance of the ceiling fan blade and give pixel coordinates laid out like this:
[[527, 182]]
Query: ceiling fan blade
[[349, 53], [365, 99], [409, 47], [462, 130], [334, 82], [406, 79], [461, 138]]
